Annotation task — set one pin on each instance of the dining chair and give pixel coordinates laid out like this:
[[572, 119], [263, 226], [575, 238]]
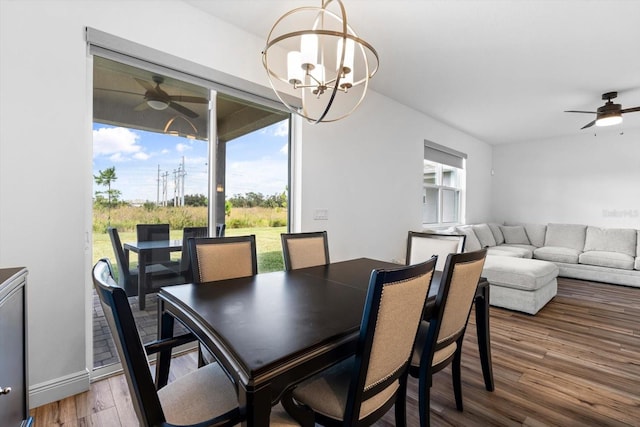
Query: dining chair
[[421, 246], [205, 394], [128, 276], [440, 337], [185, 259], [300, 250], [220, 258], [361, 389], [157, 232], [204, 397]]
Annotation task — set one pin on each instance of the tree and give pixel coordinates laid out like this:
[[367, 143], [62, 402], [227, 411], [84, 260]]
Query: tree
[[105, 178], [195, 200]]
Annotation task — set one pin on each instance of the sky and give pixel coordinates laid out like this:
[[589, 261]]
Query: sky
[[256, 162]]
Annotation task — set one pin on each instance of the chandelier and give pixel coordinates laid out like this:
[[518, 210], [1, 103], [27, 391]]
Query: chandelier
[[315, 55], [181, 126]]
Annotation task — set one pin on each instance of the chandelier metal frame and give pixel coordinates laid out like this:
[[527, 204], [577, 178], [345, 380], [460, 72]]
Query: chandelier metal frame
[[320, 82]]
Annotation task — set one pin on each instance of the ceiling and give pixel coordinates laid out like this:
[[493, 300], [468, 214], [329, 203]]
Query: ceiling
[[501, 71]]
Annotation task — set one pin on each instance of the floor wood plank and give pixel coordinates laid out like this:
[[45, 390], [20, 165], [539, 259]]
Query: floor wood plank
[[575, 363]]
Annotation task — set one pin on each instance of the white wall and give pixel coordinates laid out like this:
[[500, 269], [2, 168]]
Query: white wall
[[582, 179], [370, 178], [366, 170]]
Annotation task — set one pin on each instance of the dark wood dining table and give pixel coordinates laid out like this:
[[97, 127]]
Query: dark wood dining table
[[143, 249], [273, 330]]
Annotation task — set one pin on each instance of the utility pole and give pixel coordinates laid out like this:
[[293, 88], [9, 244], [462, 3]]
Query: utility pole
[[165, 177], [178, 184], [183, 173], [176, 187]]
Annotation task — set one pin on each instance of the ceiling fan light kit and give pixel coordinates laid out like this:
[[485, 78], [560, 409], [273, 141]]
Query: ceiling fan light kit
[[609, 114], [326, 64], [609, 119], [157, 104]]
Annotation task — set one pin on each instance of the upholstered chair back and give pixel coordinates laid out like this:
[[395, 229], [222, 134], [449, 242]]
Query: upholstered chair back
[[302, 250], [220, 258]]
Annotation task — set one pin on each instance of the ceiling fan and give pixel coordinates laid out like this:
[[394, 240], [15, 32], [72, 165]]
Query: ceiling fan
[[158, 99], [607, 115]]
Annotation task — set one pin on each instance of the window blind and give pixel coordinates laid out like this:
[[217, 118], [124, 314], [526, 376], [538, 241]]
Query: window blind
[[444, 155]]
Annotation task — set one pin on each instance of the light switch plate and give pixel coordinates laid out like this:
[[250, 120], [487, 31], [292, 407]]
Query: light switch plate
[[321, 214]]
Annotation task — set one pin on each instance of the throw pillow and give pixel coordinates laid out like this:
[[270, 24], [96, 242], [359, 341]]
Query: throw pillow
[[514, 235], [535, 232], [497, 234], [484, 234], [471, 243]]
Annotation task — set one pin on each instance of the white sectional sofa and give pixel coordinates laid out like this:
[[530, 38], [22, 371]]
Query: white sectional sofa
[[610, 255]]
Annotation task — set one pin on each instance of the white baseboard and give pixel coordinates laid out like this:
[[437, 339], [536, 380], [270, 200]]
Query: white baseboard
[[58, 388]]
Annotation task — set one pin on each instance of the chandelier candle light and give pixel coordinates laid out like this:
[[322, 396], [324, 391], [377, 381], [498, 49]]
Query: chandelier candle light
[[326, 64]]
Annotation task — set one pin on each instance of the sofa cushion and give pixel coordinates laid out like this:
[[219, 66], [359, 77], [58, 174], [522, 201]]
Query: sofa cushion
[[520, 251], [498, 251], [484, 235], [637, 264], [607, 259], [471, 243], [514, 234], [497, 234], [621, 240], [566, 236], [517, 273], [535, 232], [526, 250], [557, 254]]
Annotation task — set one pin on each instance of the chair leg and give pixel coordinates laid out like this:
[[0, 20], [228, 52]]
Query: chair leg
[[401, 404], [424, 402], [457, 378]]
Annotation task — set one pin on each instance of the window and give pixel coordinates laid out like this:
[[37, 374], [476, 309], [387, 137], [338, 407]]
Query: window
[[443, 185]]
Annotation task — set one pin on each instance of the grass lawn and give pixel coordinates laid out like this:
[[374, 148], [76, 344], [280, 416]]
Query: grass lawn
[[269, 246]]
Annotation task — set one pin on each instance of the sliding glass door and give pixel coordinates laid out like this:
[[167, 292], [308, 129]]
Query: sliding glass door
[[172, 149]]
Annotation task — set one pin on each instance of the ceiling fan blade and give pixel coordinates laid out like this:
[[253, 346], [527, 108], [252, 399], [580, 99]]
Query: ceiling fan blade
[[588, 125], [145, 84], [578, 111], [193, 99], [630, 110], [118, 91], [141, 107], [184, 110]]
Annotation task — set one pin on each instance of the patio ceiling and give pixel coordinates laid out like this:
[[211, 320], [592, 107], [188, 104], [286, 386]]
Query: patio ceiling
[[118, 96]]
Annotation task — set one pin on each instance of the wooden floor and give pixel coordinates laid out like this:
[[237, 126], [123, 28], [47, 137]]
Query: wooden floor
[[576, 363]]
